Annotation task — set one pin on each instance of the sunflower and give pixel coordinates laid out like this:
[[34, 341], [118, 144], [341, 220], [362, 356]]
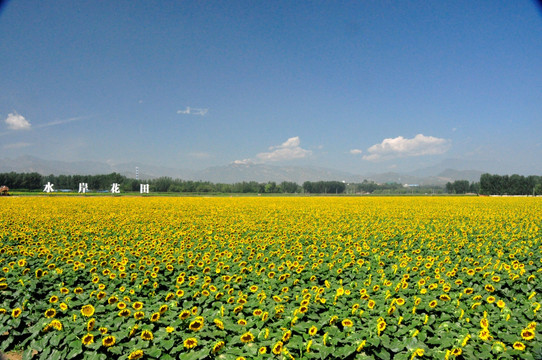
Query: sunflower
[[247, 337], [87, 310], [347, 323], [53, 299], [218, 346], [457, 351], [519, 346], [184, 314], [163, 309], [391, 310], [138, 305], [277, 348], [313, 330], [419, 352], [484, 334], [108, 341], [190, 343], [197, 324], [361, 345], [90, 324], [433, 303], [87, 339], [47, 327], [138, 315], [155, 317], [371, 304], [133, 330], [137, 354], [380, 326], [147, 335], [219, 324], [16, 312], [124, 313], [50, 313], [286, 336], [498, 346], [527, 334]]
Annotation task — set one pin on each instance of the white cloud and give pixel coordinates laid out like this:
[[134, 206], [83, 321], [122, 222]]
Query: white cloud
[[400, 147], [60, 122], [243, 162], [355, 151], [17, 122], [16, 145], [288, 150], [193, 111]]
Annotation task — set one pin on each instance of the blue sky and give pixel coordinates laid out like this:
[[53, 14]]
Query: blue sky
[[360, 86]]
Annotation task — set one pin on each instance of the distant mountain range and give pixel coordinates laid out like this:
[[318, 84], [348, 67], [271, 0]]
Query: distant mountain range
[[232, 173]]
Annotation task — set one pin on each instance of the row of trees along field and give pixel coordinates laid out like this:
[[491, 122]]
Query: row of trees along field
[[35, 182], [488, 185], [462, 187], [510, 185]]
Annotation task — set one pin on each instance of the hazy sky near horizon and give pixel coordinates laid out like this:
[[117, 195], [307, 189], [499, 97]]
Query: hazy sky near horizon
[[360, 86]]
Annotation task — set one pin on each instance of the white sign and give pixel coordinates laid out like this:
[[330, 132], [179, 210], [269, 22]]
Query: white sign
[[144, 188], [115, 188], [83, 187], [49, 187]]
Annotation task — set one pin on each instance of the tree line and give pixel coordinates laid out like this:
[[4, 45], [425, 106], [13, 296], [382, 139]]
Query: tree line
[[462, 187], [35, 181], [510, 185], [488, 185]]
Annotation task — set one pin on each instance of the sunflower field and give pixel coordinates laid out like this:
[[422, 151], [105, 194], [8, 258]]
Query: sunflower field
[[271, 278]]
